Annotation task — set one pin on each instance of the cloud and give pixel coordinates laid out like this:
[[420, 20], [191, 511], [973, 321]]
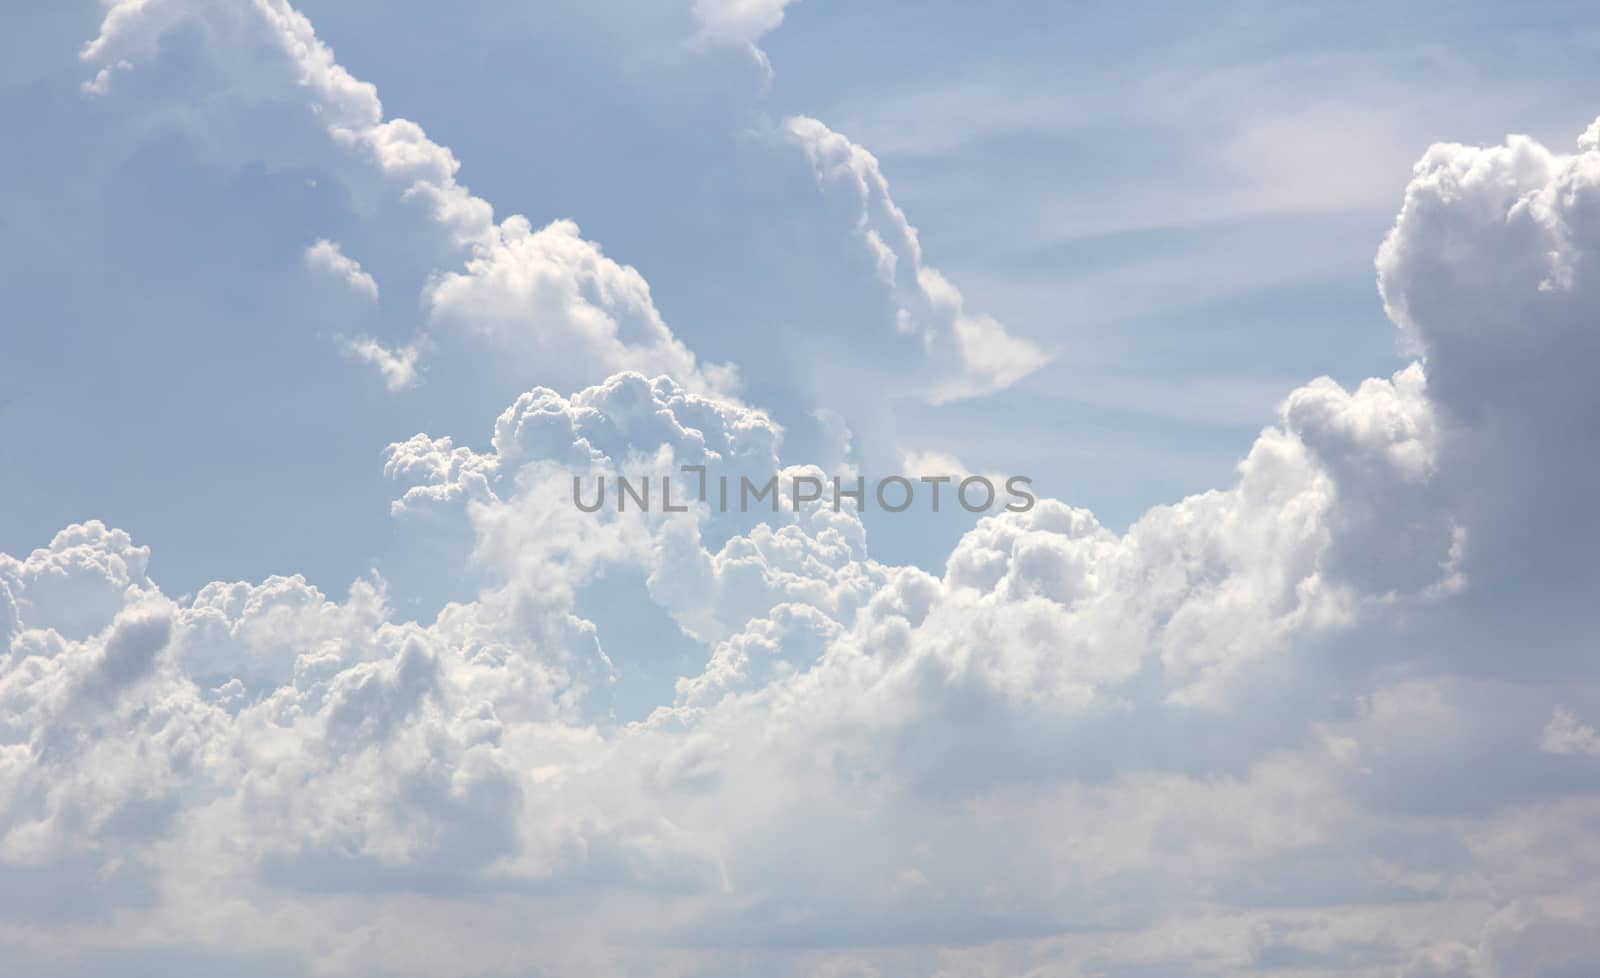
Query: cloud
[[76, 585], [552, 297], [968, 354], [326, 258], [398, 366], [545, 301], [1264, 728], [1565, 735], [335, 753], [1489, 273], [743, 21], [547, 296]]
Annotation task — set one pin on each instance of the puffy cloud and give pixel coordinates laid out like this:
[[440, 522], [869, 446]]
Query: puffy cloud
[[1490, 272], [345, 753], [606, 425], [327, 258], [100, 744], [546, 295], [1248, 734], [744, 21], [851, 723], [78, 583], [253, 635], [553, 297], [546, 300]]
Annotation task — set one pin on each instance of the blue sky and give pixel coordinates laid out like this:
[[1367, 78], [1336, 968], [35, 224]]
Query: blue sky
[[314, 309], [1090, 180]]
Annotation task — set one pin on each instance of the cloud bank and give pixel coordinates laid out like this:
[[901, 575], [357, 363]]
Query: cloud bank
[[1336, 718]]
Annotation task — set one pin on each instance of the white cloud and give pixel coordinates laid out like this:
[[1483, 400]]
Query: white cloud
[[1224, 741], [745, 21], [549, 296], [397, 366], [330, 749], [554, 298], [1565, 735], [76, 585], [327, 258], [966, 354]]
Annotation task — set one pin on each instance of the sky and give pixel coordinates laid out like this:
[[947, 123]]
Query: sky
[[313, 312]]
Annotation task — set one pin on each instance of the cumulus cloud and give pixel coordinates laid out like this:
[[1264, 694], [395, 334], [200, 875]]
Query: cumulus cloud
[[548, 295], [331, 750], [1262, 729], [545, 301], [327, 258], [76, 585], [1488, 273], [555, 298], [968, 354]]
